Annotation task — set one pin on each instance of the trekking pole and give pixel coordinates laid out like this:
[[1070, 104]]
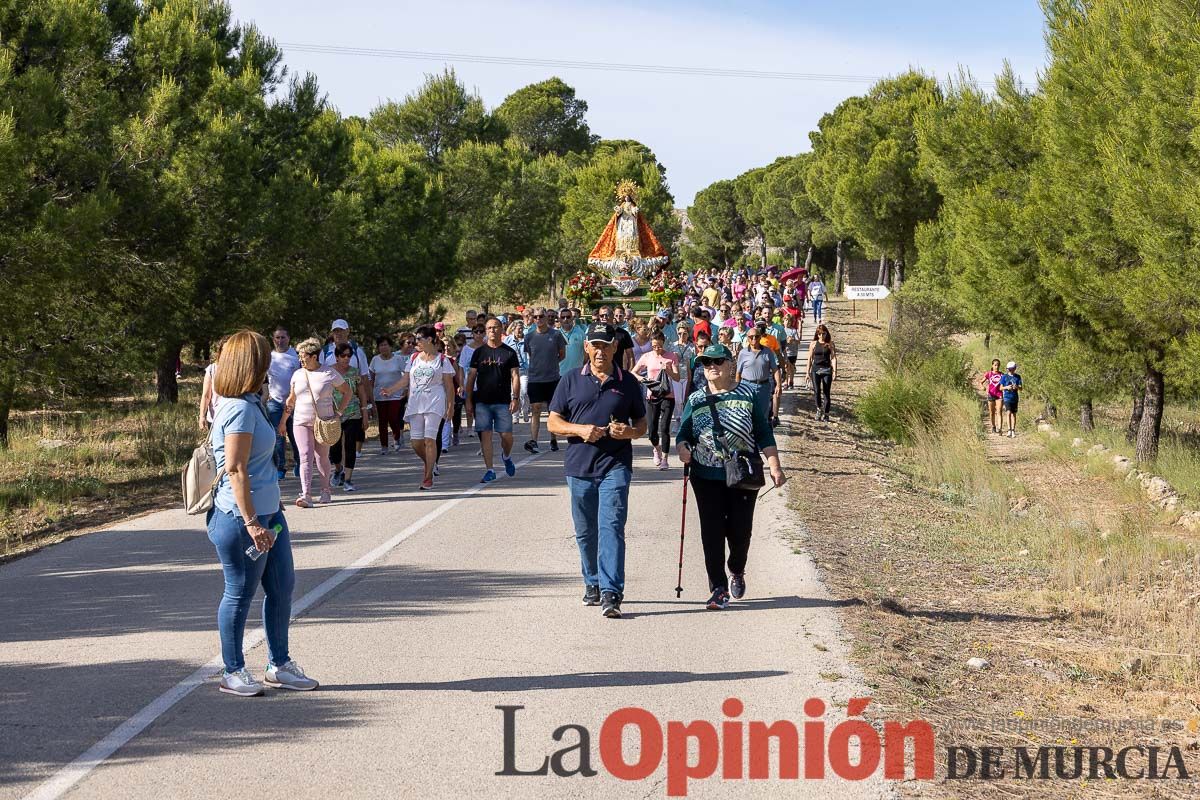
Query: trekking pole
[[682, 527]]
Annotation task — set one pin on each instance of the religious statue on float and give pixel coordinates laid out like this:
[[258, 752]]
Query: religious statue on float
[[628, 250]]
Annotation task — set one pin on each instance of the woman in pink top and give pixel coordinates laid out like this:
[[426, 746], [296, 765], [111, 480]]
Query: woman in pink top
[[312, 396], [991, 382], [653, 363], [739, 288]]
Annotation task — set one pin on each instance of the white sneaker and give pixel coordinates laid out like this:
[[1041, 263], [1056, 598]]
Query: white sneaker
[[240, 683], [289, 676], [383, 451]]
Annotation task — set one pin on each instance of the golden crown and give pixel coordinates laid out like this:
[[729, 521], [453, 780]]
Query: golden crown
[[627, 187]]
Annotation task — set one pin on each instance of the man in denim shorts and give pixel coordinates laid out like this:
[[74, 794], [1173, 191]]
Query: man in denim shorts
[[493, 388]]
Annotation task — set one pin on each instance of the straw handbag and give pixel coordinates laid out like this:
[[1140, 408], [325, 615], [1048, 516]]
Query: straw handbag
[[327, 431]]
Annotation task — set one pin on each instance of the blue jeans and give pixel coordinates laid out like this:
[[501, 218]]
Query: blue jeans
[[275, 413], [816, 304], [493, 416], [275, 571], [599, 507]]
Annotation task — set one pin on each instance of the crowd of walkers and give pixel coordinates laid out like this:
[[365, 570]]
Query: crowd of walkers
[[708, 371]]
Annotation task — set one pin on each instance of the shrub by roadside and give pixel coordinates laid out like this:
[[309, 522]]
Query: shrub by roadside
[[962, 546], [89, 464]]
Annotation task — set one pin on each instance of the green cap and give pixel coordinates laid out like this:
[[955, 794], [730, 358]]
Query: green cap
[[716, 351]]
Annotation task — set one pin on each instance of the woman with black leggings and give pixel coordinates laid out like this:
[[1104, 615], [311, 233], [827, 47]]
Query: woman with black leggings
[[718, 421], [822, 369], [352, 417], [661, 404]]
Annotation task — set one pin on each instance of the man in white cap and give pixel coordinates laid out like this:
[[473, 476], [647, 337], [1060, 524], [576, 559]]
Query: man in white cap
[[340, 330], [1010, 388]]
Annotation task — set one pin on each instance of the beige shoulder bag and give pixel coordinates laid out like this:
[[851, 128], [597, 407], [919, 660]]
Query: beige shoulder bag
[[327, 431]]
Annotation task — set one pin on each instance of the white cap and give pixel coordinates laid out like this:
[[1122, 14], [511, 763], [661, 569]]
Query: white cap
[[340, 324], [1011, 365]]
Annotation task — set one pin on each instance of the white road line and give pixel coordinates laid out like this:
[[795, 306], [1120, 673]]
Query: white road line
[[101, 751]]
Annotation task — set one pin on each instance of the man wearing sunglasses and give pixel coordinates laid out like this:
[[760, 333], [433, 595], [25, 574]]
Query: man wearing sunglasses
[[624, 355], [574, 335], [600, 409]]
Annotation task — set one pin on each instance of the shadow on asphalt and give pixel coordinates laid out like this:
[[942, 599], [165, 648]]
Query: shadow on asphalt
[[94, 698], [758, 604], [572, 680], [111, 599]]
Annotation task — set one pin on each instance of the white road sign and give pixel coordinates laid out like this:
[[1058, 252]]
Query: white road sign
[[867, 292]]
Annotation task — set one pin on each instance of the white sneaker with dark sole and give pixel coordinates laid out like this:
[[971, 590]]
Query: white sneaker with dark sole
[[289, 676], [240, 683]]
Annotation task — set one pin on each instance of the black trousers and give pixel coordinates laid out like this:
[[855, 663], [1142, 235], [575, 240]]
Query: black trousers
[[726, 516], [661, 411], [352, 430], [821, 386], [460, 403]]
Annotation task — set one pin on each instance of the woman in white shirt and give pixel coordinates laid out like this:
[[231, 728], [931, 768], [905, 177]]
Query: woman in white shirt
[[387, 368], [209, 397], [816, 295], [430, 383]]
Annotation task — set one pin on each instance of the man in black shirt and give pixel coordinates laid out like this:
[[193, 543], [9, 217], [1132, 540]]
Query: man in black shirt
[[624, 354], [493, 388]]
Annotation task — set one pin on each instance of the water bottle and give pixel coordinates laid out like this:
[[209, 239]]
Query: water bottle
[[253, 553]]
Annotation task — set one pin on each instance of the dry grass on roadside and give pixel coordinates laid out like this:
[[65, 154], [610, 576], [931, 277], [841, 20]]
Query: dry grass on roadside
[[1092, 553], [63, 466]]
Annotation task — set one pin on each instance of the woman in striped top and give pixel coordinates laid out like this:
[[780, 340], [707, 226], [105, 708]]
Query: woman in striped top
[[726, 513]]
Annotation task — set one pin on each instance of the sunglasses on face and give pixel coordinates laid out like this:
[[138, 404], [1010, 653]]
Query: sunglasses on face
[[712, 362]]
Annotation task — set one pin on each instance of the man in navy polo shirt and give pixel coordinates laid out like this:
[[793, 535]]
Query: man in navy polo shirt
[[601, 410]]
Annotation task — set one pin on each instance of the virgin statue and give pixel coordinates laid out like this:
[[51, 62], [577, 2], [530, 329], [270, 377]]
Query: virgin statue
[[628, 247]]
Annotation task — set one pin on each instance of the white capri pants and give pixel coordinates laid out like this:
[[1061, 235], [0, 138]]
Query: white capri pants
[[424, 426]]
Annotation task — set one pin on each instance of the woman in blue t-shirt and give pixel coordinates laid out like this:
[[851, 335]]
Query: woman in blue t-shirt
[[246, 523]]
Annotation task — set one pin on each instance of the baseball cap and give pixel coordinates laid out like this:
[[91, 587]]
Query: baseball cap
[[439, 326], [716, 351], [340, 324], [1011, 365], [602, 332]]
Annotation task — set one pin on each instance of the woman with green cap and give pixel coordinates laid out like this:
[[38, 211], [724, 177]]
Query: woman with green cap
[[719, 421]]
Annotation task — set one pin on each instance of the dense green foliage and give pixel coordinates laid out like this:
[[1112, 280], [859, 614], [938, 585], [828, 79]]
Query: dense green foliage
[[1064, 216], [163, 180]]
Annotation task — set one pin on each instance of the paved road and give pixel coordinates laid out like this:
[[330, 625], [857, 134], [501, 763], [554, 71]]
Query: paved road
[[457, 601]]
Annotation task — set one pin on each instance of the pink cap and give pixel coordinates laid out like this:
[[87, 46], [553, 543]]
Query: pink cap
[[439, 326]]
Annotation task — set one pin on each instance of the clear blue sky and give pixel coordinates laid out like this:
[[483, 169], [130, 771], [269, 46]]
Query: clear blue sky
[[701, 128]]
